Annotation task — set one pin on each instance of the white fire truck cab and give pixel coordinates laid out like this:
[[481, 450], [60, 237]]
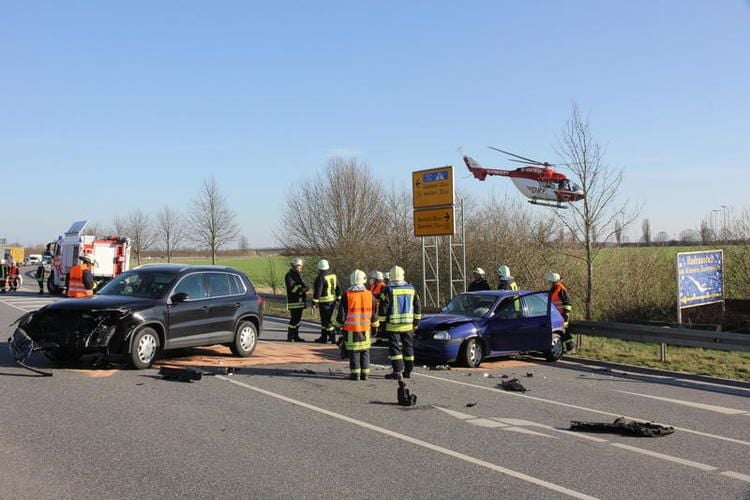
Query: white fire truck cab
[[112, 256]]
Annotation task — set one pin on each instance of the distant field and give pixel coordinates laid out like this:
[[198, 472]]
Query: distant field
[[262, 271]]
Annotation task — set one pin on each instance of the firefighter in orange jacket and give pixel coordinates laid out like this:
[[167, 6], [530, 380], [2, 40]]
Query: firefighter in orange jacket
[[81, 278], [376, 285], [558, 294], [357, 315]]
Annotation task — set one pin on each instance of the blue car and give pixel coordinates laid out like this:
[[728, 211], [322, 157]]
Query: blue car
[[478, 325]]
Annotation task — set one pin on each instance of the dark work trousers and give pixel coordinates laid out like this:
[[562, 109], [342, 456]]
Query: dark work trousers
[[294, 321], [401, 351], [359, 363], [326, 327], [41, 285]]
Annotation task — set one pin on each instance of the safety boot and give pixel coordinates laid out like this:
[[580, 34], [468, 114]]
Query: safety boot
[[393, 376], [353, 376]]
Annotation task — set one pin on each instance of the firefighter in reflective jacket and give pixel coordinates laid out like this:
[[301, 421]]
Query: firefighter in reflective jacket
[[506, 280], [400, 312], [357, 315], [326, 292], [558, 294], [81, 278], [296, 299], [376, 286], [40, 270]]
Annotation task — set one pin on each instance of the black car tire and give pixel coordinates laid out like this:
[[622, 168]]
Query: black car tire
[[144, 349], [556, 348], [52, 288], [245, 339], [471, 353]]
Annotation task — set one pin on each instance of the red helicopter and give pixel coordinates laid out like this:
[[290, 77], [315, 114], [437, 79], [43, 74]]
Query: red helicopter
[[537, 180]]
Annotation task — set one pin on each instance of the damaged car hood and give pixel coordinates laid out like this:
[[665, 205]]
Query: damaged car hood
[[100, 302], [436, 321]]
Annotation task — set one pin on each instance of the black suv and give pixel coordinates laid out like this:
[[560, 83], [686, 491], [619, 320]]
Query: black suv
[[151, 309]]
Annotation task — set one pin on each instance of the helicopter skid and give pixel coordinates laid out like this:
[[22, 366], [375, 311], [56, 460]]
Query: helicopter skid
[[545, 204]]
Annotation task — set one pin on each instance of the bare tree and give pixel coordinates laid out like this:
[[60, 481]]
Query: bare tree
[[120, 225], [646, 232], [244, 244], [337, 214], [707, 234], [589, 219], [690, 236], [212, 221], [96, 229], [661, 237], [139, 229], [618, 232], [170, 230]]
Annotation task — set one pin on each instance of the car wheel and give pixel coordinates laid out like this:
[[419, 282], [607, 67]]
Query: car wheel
[[471, 353], [52, 288], [145, 347], [245, 339], [556, 348]]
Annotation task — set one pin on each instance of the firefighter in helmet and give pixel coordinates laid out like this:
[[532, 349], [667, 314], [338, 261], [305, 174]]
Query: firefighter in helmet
[[400, 311], [479, 282], [326, 292], [296, 299], [80, 279], [506, 280], [357, 316], [558, 294]]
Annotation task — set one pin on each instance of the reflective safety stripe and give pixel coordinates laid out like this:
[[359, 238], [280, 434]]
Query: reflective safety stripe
[[296, 305], [330, 295], [408, 358], [396, 357], [357, 341], [359, 311], [402, 308], [76, 288]]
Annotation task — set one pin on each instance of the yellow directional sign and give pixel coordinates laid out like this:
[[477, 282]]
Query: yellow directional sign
[[434, 222], [433, 187]]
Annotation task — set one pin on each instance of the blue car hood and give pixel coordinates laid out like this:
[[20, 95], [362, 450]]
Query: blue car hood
[[437, 321]]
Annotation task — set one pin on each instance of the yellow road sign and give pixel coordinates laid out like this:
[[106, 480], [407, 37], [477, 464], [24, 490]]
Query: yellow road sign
[[433, 187], [434, 222]]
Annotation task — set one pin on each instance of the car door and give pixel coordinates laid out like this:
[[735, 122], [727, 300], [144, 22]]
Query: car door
[[224, 302], [189, 320], [535, 331], [503, 326]]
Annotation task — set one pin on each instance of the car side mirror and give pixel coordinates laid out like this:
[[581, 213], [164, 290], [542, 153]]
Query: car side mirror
[[180, 297]]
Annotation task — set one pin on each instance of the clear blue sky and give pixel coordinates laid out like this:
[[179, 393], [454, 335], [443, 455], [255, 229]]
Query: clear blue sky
[[110, 106]]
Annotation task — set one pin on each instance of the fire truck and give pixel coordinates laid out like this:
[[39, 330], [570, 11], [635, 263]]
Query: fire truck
[[112, 256]]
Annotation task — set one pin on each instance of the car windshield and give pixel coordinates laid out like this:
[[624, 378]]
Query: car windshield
[[151, 285], [470, 304]]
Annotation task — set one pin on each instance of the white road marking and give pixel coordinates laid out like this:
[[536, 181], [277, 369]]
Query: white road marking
[[702, 406], [662, 456], [736, 475], [583, 408], [418, 442], [485, 422], [521, 430]]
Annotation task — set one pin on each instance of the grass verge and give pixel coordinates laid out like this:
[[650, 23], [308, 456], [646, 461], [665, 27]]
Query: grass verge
[[733, 365]]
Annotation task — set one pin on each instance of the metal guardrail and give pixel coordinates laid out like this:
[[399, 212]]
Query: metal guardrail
[[724, 341]]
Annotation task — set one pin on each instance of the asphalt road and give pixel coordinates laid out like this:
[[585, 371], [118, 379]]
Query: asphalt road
[[284, 430]]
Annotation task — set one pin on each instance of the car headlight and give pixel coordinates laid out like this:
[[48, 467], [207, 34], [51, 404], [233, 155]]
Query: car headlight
[[441, 335]]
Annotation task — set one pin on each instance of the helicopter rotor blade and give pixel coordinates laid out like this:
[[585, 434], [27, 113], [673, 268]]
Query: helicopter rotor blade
[[517, 156]]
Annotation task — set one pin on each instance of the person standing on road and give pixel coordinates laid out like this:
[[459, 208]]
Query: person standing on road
[[4, 270], [479, 282], [14, 277], [558, 294], [400, 311], [81, 278], [506, 280], [296, 299], [357, 314], [326, 292], [40, 277], [376, 286]]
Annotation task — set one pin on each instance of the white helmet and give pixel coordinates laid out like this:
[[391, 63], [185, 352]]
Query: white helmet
[[373, 275], [503, 271], [323, 265], [296, 262], [358, 277], [379, 276], [479, 271], [3, 261], [397, 273], [552, 277], [88, 259]]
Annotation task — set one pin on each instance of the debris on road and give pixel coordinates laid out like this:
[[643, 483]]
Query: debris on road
[[513, 385], [473, 403], [181, 374], [21, 346], [306, 371], [624, 426], [440, 367], [529, 374], [405, 397]]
